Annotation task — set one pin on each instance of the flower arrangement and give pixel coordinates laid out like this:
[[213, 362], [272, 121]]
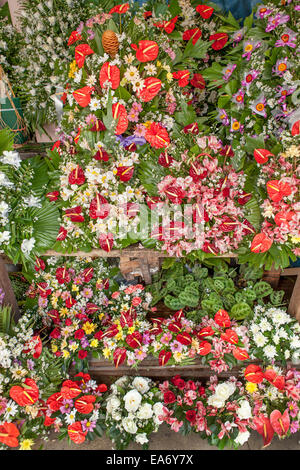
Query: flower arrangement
[[274, 396], [28, 375], [132, 299], [125, 340], [71, 297], [172, 340], [28, 221], [76, 410], [10, 40], [248, 106], [274, 335], [43, 54], [133, 407]]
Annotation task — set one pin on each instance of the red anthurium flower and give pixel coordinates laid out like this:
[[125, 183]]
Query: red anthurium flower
[[204, 332], [131, 147], [182, 76], [147, 14], [175, 326], [75, 214], [198, 81], [146, 51], [279, 382], [228, 224], [106, 241], [240, 354], [48, 421], [87, 274], [55, 401], [184, 338], [101, 155], [167, 26], [175, 194], [263, 426], [193, 34], [226, 151], [62, 234], [204, 11], [262, 155], [42, 289], [204, 348], [152, 86], [173, 231], [76, 433], [296, 128], [134, 340], [277, 190], [91, 308], [9, 434], [164, 357], [53, 195], [55, 333], [63, 275], [37, 348], [70, 389], [178, 315], [165, 160], [76, 138], [222, 318], [230, 336], [39, 264], [191, 129], [243, 198], [254, 374], [283, 218], [131, 209], [99, 207], [56, 146], [109, 73], [270, 375], [220, 40], [24, 395], [98, 126], [152, 202], [70, 302], [126, 320], [197, 172], [125, 173], [74, 37], [280, 422], [119, 356], [261, 243], [85, 404], [120, 115], [83, 97], [247, 227], [120, 9], [157, 136], [199, 214], [156, 330], [81, 52]]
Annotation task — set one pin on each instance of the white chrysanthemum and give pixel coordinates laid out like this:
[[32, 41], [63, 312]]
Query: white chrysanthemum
[[27, 245], [260, 340], [265, 325], [270, 351]]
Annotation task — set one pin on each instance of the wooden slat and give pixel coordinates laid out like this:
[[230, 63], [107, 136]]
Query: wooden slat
[[5, 284], [294, 305]]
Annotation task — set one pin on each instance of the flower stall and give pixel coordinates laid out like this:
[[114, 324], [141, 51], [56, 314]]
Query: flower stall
[[156, 237]]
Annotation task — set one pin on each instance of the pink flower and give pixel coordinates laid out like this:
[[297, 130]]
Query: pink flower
[[176, 425], [166, 338], [136, 301], [87, 292], [115, 295]]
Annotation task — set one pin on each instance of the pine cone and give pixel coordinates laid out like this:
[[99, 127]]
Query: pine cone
[[110, 42]]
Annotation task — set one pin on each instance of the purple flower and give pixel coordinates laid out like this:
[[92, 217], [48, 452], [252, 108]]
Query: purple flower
[[2, 295], [176, 346], [274, 21], [66, 406], [249, 47], [280, 67], [249, 77], [258, 106], [236, 126], [288, 38], [88, 425], [80, 27], [30, 364], [84, 342], [228, 71], [294, 427], [131, 139], [3, 404], [238, 99], [293, 408], [262, 11], [146, 338], [238, 35], [283, 92], [223, 117]]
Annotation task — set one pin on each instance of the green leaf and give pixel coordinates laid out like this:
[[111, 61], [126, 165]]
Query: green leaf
[[198, 50], [186, 116]]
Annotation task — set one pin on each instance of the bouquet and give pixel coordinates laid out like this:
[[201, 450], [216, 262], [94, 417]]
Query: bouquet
[[76, 410], [275, 398], [133, 407], [130, 298], [274, 335]]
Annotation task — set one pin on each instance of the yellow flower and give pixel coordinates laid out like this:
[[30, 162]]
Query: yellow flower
[[131, 330], [166, 67], [147, 124], [94, 343], [158, 63], [26, 444], [64, 344], [54, 348], [295, 239], [251, 387], [65, 354], [75, 288], [89, 327], [106, 352], [72, 69], [73, 346], [100, 316], [169, 77], [117, 322], [64, 311], [119, 335]]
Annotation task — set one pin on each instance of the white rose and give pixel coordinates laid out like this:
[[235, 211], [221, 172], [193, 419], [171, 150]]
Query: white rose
[[132, 400], [141, 438], [112, 404], [242, 437], [244, 411], [129, 425], [158, 408], [215, 401], [145, 412], [224, 390], [140, 384]]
